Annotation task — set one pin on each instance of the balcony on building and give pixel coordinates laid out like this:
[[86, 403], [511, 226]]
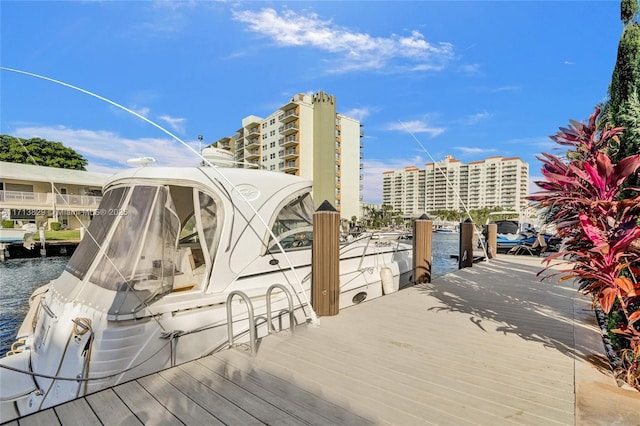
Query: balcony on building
[[289, 154], [48, 200], [289, 115], [289, 166], [288, 129], [288, 141], [252, 155], [255, 141]]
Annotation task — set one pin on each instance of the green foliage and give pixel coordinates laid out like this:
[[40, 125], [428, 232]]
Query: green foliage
[[55, 226], [622, 106], [479, 216], [378, 218], [7, 224], [40, 152], [628, 10]]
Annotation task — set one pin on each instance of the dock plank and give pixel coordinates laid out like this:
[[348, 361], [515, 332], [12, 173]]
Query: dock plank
[[144, 405], [42, 418], [110, 409], [304, 405], [260, 409], [181, 406], [221, 408], [77, 412]]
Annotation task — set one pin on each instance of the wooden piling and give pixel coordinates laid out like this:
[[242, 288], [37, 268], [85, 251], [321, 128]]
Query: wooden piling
[[325, 261], [492, 236], [465, 254], [422, 249]]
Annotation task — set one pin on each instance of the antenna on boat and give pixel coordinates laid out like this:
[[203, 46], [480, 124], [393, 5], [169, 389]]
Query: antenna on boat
[[313, 318], [484, 248], [142, 161]]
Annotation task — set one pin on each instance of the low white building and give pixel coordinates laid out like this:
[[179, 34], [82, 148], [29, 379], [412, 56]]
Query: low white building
[[41, 195]]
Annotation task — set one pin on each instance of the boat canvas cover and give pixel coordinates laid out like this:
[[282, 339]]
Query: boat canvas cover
[[507, 227]]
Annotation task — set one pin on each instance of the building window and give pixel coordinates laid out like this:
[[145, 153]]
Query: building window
[[272, 155], [272, 167], [272, 133], [264, 124], [272, 144], [264, 158], [272, 121], [264, 136]]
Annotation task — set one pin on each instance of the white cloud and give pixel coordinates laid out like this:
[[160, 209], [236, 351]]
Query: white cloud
[[357, 113], [177, 124], [108, 152], [471, 69], [476, 118], [355, 51], [414, 127], [474, 150], [143, 111], [505, 89]]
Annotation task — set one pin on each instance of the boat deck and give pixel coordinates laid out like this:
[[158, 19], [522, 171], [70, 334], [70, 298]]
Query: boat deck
[[487, 345]]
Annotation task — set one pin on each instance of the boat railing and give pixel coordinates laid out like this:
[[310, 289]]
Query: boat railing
[[253, 333], [252, 322], [292, 318]]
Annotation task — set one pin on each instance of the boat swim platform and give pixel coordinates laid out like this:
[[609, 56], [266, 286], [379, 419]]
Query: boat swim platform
[[486, 345]]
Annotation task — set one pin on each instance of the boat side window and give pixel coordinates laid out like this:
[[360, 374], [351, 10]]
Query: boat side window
[[100, 225], [293, 226]]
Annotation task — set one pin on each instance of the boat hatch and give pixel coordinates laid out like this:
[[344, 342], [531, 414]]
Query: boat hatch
[[146, 241]]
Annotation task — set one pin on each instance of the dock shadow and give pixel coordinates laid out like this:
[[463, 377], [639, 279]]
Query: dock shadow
[[511, 295]]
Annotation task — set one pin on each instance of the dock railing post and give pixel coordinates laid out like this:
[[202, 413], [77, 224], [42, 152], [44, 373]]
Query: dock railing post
[[325, 261], [422, 249], [492, 238], [465, 254]]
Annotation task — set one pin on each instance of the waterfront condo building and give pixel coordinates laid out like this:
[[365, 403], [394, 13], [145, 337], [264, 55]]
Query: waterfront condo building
[[448, 184], [306, 137], [43, 195]]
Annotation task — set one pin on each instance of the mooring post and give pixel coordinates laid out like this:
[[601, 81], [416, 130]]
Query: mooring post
[[465, 254], [43, 242], [422, 249], [325, 261], [492, 238]]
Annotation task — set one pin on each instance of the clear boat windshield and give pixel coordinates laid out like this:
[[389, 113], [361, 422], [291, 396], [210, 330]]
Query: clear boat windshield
[[294, 224], [146, 241]]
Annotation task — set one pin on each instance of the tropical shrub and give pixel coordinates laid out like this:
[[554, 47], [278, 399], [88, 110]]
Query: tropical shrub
[[55, 226], [7, 224], [600, 231]]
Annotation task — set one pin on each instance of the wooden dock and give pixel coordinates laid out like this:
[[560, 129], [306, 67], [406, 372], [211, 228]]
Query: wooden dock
[[487, 345]]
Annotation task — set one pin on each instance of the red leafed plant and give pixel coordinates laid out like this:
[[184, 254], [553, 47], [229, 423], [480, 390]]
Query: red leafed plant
[[601, 233]]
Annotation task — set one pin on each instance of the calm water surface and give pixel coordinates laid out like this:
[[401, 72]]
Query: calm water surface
[[20, 277]]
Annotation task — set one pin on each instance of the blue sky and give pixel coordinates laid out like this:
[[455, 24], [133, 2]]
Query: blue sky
[[471, 79]]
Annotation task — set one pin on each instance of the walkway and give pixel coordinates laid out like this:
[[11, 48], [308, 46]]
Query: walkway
[[487, 345]]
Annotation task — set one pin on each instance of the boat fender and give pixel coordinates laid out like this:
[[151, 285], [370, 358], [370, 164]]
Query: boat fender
[[386, 276]]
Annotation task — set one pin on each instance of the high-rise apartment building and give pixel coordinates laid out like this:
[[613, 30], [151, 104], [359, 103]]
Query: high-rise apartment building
[[306, 137], [450, 185]]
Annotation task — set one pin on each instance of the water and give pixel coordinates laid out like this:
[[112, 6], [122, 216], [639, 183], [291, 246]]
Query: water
[[20, 277]]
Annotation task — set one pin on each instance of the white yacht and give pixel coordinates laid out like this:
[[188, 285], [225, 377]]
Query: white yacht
[[171, 254]]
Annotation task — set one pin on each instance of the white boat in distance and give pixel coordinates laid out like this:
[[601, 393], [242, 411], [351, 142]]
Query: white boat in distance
[[149, 285]]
